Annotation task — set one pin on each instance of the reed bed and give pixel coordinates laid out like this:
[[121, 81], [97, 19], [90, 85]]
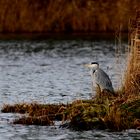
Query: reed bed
[[132, 79], [19, 16]]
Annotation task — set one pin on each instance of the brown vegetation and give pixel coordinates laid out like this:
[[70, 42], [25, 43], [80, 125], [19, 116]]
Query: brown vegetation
[[116, 113], [132, 82], [65, 15], [38, 114]]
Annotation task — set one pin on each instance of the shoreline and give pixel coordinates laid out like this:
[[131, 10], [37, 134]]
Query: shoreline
[[63, 36]]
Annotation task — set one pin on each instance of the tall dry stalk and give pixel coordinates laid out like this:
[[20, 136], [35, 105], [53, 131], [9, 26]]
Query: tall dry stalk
[[132, 82]]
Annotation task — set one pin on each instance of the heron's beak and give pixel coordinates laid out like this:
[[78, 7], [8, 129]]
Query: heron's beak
[[88, 65]]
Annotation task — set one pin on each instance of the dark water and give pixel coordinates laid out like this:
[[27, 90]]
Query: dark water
[[52, 72]]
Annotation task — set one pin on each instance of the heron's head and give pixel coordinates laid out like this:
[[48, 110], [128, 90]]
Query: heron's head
[[92, 65]]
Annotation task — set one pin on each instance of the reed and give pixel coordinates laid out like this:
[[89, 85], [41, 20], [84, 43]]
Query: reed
[[132, 81], [124, 111]]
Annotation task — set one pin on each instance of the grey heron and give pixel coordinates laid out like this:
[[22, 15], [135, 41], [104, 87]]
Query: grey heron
[[100, 77]]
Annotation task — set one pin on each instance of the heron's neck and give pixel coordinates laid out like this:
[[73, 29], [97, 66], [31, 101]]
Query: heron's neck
[[94, 69]]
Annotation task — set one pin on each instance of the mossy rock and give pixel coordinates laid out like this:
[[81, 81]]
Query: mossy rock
[[86, 116], [79, 123]]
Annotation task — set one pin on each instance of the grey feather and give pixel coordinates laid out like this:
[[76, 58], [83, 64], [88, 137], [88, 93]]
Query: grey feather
[[103, 80]]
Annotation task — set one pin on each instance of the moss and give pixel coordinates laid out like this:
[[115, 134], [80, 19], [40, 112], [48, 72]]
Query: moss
[[132, 107], [88, 118], [78, 122]]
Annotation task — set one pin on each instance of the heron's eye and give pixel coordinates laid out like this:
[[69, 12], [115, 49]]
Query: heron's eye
[[93, 71]]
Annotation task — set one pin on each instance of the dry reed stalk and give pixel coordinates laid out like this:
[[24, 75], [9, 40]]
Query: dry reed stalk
[[132, 82]]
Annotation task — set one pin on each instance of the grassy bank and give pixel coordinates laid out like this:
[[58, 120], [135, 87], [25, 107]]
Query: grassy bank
[[65, 16]]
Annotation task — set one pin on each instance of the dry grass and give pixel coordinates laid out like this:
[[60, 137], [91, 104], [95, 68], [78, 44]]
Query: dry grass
[[65, 16], [38, 114], [125, 109], [132, 81]]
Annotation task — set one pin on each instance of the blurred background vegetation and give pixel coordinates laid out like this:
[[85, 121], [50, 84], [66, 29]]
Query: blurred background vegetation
[[45, 16]]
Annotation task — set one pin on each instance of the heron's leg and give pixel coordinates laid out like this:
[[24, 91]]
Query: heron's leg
[[98, 91], [92, 88]]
